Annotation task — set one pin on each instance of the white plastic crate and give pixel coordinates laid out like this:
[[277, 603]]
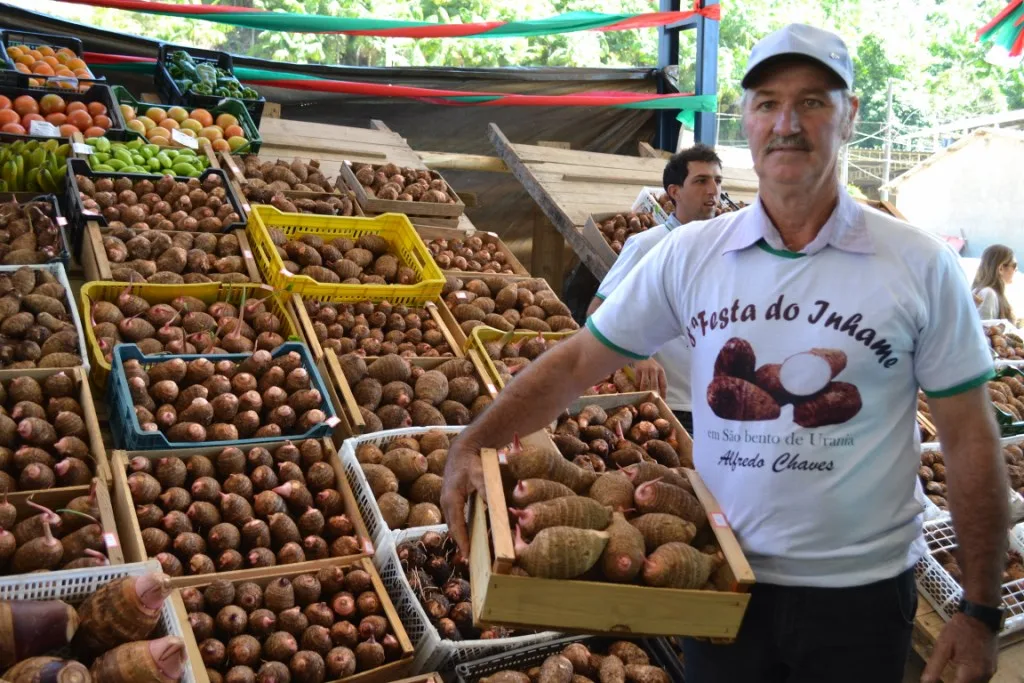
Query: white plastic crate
[[74, 585], [943, 593], [57, 269], [368, 507], [432, 652], [934, 512]]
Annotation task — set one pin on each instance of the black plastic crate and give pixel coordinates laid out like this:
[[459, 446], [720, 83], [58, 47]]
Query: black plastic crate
[[170, 94], [10, 37], [64, 255], [522, 659], [77, 216], [97, 93]]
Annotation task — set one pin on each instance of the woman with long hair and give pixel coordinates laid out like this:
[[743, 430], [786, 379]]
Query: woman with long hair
[[995, 272]]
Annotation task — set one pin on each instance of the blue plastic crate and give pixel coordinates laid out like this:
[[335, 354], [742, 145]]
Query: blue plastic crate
[[128, 434]]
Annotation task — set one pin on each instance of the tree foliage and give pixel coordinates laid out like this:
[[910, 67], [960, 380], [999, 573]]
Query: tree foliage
[[926, 46]]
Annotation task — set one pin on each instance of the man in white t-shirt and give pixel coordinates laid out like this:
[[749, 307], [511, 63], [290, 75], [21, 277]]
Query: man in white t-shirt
[[812, 321], [693, 179]]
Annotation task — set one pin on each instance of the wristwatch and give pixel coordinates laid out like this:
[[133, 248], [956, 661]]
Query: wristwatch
[[992, 617]]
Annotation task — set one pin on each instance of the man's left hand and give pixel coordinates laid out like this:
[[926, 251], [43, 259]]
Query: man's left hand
[[650, 376], [969, 646]]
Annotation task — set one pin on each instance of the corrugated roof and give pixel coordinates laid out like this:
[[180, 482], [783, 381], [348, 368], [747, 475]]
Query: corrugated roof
[[969, 139]]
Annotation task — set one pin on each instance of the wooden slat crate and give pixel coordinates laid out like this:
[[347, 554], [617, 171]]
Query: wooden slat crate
[[131, 533], [372, 205], [97, 266], [429, 233], [595, 607], [388, 673]]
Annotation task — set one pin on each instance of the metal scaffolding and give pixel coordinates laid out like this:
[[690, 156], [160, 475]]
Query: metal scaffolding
[[706, 129]]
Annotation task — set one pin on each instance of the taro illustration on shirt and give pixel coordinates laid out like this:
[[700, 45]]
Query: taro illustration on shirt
[[740, 390]]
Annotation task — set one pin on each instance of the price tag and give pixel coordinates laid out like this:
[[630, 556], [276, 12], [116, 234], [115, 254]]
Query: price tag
[[43, 128], [367, 546], [332, 421], [184, 140], [461, 295], [90, 212], [61, 221], [82, 148], [63, 79], [110, 539], [246, 208], [718, 520], [502, 457], [490, 387], [246, 253], [286, 272]]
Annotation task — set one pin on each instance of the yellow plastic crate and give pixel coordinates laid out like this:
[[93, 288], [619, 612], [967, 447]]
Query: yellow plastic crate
[[394, 227], [207, 292], [482, 334]]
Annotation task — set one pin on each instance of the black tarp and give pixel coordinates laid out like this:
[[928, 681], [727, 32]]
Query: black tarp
[[503, 206]]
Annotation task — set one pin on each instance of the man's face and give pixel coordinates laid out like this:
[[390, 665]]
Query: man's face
[[796, 122], [697, 198]]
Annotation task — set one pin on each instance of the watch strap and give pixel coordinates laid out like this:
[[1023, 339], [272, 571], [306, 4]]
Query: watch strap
[[992, 617]]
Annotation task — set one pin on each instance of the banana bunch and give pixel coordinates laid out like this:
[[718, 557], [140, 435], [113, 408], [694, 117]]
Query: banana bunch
[[34, 166]]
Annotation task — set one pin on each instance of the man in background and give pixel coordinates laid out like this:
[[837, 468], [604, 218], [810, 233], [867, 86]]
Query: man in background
[[693, 180]]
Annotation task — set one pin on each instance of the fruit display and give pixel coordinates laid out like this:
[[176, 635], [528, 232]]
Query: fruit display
[[389, 181], [110, 637], [439, 577], [273, 182], [91, 119], [29, 233], [46, 61], [525, 304], [602, 440], [1005, 342], [33, 166], [44, 540], [636, 524], [138, 157], [185, 325], [174, 257], [241, 509], [405, 479], [46, 437], [617, 229], [260, 397], [476, 253], [321, 626], [202, 77], [37, 328], [581, 662], [376, 329], [368, 259], [160, 202], [222, 130], [932, 473], [1007, 394], [393, 393]]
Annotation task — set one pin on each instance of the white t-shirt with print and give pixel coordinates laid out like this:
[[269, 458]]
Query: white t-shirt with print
[[674, 356], [820, 490]]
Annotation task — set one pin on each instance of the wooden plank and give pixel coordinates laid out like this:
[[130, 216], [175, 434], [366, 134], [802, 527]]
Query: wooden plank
[[554, 144], [463, 162], [547, 251], [646, 150], [285, 130], [559, 218]]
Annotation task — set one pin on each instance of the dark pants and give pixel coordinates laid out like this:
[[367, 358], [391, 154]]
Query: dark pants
[[814, 635], [685, 419]]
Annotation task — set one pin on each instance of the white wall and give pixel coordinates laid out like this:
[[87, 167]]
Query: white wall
[[975, 192]]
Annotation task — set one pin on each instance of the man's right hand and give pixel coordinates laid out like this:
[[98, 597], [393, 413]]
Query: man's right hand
[[650, 376], [463, 474]]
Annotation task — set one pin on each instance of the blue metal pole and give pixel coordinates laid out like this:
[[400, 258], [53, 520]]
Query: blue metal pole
[[668, 55], [706, 130]]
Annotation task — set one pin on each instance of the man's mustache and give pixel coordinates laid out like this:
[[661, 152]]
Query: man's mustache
[[796, 142]]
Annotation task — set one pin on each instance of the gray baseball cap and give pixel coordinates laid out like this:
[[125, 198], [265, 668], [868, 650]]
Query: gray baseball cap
[[800, 40]]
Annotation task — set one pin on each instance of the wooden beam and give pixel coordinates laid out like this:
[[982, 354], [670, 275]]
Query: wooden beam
[[377, 124], [463, 162], [554, 144], [555, 213], [648, 151], [548, 244]]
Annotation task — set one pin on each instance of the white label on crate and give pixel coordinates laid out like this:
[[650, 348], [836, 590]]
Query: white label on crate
[[246, 207], [490, 387], [332, 421], [718, 520], [73, 82], [461, 295], [184, 140], [110, 539], [286, 272], [43, 128], [502, 457], [90, 212], [82, 148], [61, 221], [246, 253], [367, 546]]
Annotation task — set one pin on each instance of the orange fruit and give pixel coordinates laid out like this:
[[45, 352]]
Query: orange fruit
[[67, 130], [14, 52], [169, 124], [75, 106], [101, 121], [8, 116], [43, 69], [146, 121], [27, 119], [51, 103], [192, 125], [46, 51], [211, 133], [76, 63], [234, 132], [157, 114], [94, 132], [5, 102], [12, 128], [202, 116], [221, 146], [179, 114], [80, 119], [57, 118], [136, 126], [127, 112], [156, 132], [52, 61], [26, 104], [21, 68], [83, 73], [226, 120], [35, 54], [97, 108]]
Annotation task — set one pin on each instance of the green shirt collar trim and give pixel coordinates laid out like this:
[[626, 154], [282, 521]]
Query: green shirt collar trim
[[784, 253]]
